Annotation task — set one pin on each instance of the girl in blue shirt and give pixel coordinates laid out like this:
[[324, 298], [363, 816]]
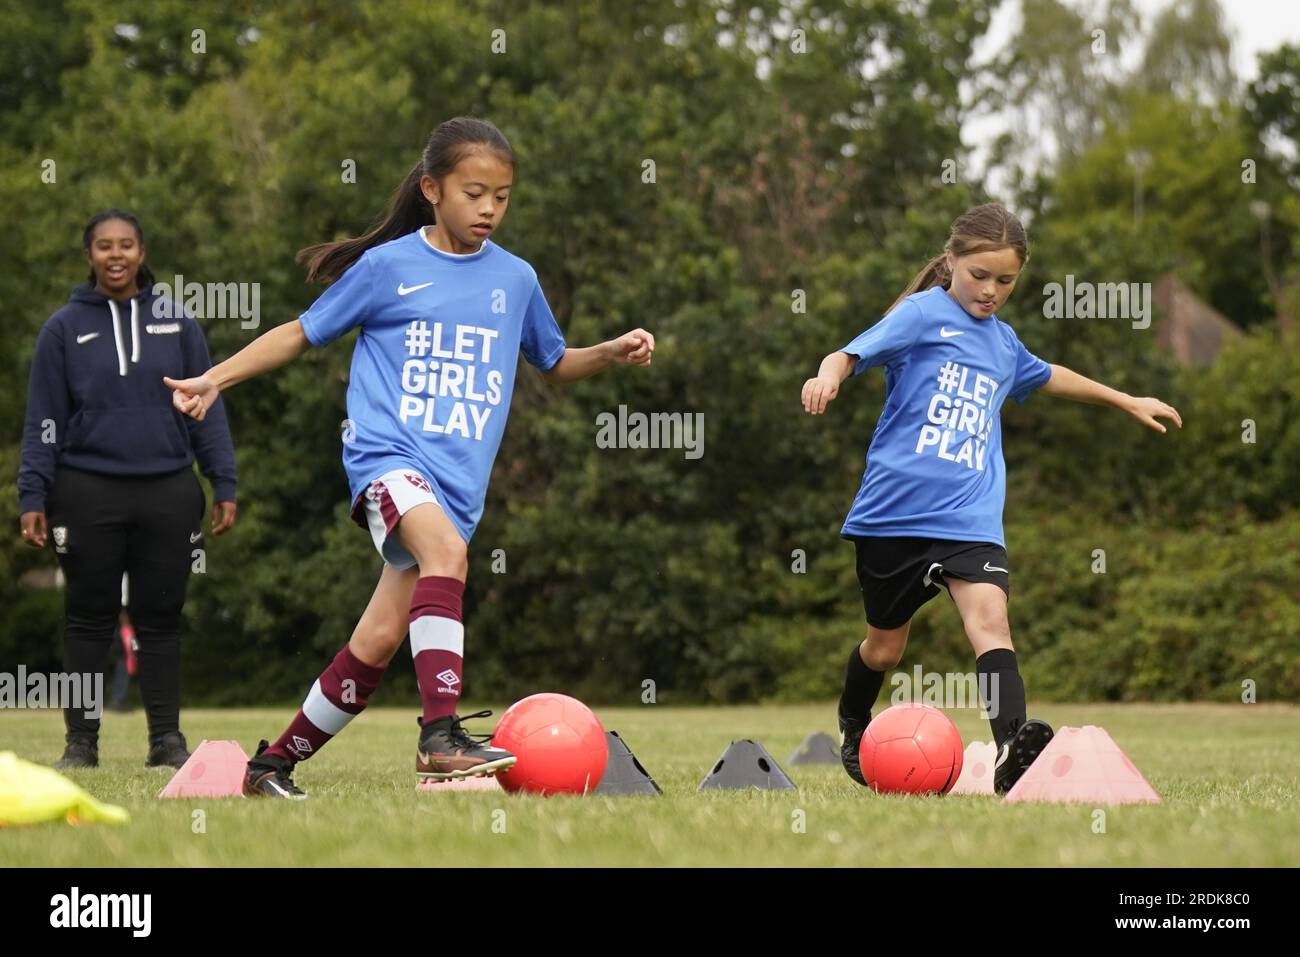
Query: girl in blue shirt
[[929, 510], [443, 314]]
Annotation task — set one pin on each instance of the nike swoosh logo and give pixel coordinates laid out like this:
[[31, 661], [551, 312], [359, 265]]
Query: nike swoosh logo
[[405, 290], [86, 338], [949, 333], [195, 536], [994, 568]]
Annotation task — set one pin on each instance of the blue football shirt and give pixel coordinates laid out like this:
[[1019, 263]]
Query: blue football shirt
[[934, 465], [434, 365]]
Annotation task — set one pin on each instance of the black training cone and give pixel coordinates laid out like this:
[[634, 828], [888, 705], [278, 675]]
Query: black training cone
[[818, 748], [746, 764], [623, 772]]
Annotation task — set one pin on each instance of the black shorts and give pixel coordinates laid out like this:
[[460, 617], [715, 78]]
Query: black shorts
[[899, 575]]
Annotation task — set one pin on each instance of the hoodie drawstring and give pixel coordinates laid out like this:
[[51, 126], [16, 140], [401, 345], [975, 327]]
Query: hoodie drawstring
[[117, 338], [117, 335], [135, 331]]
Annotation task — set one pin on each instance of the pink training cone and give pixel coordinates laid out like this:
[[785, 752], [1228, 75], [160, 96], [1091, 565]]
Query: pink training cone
[[479, 782], [976, 769], [215, 769], [1086, 765]]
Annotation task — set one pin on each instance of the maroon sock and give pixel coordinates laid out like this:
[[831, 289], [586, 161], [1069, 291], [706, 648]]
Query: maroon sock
[[338, 696], [438, 643]]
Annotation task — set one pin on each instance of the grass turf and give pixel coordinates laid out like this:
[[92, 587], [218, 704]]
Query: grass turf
[[1226, 773]]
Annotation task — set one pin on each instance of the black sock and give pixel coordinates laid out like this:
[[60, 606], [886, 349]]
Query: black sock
[[861, 687], [1001, 685]]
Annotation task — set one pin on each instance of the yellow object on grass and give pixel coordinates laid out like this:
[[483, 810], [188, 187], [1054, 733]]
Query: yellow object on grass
[[32, 793]]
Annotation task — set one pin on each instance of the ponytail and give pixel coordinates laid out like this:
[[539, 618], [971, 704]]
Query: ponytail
[[935, 273], [408, 209]]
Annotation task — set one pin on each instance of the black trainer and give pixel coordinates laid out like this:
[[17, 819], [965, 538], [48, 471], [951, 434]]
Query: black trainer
[[446, 751], [269, 775], [169, 750], [1018, 753], [81, 751], [850, 743]]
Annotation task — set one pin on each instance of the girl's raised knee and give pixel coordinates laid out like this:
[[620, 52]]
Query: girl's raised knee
[[883, 661]]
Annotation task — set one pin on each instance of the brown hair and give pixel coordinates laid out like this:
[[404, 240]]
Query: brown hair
[[981, 229], [408, 210]]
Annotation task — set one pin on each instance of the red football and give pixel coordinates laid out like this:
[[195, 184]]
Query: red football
[[560, 744], [911, 749]]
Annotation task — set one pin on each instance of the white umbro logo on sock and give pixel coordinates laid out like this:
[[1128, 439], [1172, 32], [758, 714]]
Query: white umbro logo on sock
[[301, 745], [448, 677]]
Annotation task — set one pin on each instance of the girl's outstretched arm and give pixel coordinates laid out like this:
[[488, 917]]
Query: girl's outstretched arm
[[268, 351], [819, 390], [1070, 385], [635, 348]]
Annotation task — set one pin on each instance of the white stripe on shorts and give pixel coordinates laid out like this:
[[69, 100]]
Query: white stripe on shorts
[[435, 633], [323, 712]]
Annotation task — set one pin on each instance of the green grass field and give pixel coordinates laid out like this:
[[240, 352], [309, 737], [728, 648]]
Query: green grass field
[[1226, 772]]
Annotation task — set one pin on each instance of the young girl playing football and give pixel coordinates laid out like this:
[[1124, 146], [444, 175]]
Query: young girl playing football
[[443, 313], [929, 510]]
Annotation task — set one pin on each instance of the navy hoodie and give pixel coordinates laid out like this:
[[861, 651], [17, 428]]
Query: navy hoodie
[[96, 399]]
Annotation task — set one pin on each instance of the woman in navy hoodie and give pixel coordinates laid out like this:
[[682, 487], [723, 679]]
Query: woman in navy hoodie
[[110, 462]]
